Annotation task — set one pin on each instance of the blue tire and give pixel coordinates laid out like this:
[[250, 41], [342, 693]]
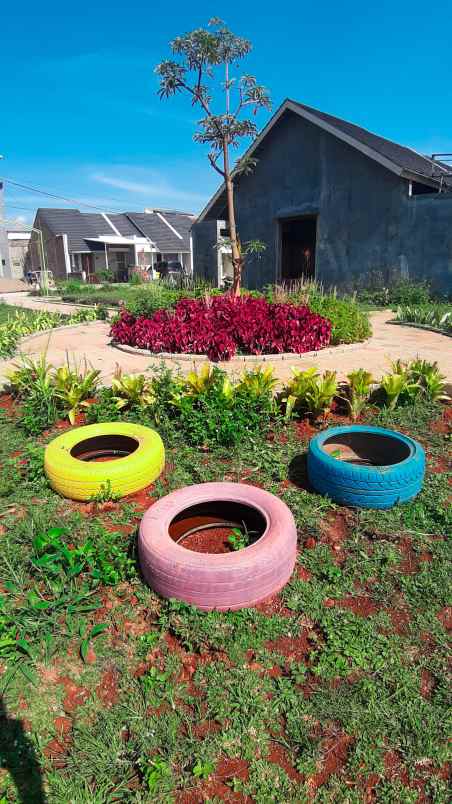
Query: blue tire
[[398, 479]]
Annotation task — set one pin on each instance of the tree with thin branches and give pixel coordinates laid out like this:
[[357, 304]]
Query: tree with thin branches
[[206, 69]]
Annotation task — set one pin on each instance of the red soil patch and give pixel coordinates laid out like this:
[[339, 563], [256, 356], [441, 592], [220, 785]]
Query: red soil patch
[[360, 604], [302, 573], [293, 648], [445, 618], [410, 562], [212, 791], [427, 684], [55, 751], [63, 726], [215, 787], [441, 465], [400, 619], [75, 695], [8, 403], [305, 430], [279, 756], [125, 529], [334, 531], [273, 605], [213, 540], [335, 749], [141, 499], [201, 730], [107, 690], [232, 768], [444, 423], [395, 770]]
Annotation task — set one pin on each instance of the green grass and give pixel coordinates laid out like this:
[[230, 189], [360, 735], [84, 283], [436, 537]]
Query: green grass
[[9, 310], [167, 694]]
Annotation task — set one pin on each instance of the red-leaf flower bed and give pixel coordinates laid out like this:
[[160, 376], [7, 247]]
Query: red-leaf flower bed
[[224, 325]]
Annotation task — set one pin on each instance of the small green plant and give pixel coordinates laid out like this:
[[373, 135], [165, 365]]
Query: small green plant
[[31, 382], [74, 386], [257, 382], [157, 776], [105, 493], [357, 391], [29, 373], [429, 378], [53, 557], [309, 392], [398, 387], [409, 381], [88, 635], [239, 538], [202, 770], [131, 390], [80, 316]]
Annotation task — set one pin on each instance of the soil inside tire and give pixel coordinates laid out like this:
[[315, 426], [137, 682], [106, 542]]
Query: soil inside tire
[[211, 540], [104, 448], [206, 528], [366, 449]]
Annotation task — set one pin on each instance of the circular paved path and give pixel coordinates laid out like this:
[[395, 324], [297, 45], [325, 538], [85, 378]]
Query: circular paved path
[[388, 342]]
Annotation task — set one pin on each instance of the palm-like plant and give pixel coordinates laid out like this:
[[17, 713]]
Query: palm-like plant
[[257, 382], [74, 386], [132, 390], [29, 373], [398, 385], [357, 391], [310, 392], [429, 378]]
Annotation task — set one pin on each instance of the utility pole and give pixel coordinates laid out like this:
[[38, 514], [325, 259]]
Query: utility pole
[[5, 266]]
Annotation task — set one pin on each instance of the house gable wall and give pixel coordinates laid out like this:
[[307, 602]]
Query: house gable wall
[[366, 224]]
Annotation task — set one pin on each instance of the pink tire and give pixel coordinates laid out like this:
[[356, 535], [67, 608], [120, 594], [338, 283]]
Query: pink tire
[[218, 581]]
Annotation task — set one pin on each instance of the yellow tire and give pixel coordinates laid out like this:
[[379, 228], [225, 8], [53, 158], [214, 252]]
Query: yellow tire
[[82, 462]]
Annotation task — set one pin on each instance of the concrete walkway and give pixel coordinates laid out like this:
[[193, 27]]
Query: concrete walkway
[[12, 285], [389, 342], [33, 303]]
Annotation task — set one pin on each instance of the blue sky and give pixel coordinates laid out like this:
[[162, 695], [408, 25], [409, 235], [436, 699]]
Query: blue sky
[[80, 115]]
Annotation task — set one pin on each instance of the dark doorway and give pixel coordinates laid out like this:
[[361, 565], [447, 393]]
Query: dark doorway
[[298, 242]]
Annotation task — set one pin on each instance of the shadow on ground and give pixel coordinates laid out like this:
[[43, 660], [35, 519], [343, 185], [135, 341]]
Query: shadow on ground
[[18, 757], [298, 472]]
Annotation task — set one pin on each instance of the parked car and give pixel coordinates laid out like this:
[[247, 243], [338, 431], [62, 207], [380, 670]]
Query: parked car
[[172, 271]]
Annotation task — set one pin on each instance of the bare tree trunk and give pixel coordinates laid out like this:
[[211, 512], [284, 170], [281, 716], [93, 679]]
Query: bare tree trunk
[[237, 261]]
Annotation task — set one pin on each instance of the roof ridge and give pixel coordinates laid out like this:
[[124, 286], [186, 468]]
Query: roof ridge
[[320, 114]]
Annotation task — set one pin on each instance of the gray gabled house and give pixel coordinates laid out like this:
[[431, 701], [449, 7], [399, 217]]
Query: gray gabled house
[[77, 243], [333, 201]]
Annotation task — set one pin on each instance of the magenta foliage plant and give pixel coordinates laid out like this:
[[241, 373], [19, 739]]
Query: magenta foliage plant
[[223, 326]]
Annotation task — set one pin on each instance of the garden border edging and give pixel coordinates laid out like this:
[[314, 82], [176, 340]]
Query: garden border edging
[[413, 325], [191, 357]]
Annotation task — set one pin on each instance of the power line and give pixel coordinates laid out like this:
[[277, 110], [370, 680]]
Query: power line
[[59, 197], [13, 206]]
